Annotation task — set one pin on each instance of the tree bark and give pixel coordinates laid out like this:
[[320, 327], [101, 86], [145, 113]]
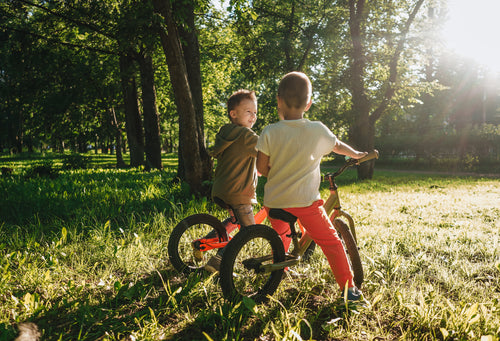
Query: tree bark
[[133, 124], [150, 112], [191, 151]]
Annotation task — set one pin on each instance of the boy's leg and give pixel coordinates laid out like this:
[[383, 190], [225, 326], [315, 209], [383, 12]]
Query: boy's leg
[[320, 228], [244, 214], [282, 228]]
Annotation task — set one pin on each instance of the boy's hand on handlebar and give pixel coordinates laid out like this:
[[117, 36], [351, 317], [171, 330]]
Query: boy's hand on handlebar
[[369, 156], [358, 155]]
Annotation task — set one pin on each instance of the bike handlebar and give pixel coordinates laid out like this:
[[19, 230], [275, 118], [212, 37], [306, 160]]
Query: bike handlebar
[[371, 155], [351, 162]]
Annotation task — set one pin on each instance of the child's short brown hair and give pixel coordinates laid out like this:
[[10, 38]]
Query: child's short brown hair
[[237, 96], [295, 89]]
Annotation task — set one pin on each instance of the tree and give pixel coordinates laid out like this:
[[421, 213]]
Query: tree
[[184, 12], [193, 155], [151, 120], [367, 110], [83, 28], [276, 38], [133, 121], [118, 138]]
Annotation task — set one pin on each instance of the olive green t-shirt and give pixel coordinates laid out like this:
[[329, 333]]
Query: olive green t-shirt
[[235, 177]]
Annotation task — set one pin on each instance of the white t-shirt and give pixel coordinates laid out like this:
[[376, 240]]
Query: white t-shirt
[[295, 149]]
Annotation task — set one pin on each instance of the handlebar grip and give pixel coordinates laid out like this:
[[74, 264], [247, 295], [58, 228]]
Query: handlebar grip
[[371, 155]]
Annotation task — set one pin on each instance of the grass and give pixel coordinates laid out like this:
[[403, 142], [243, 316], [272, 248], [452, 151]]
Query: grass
[[83, 257]]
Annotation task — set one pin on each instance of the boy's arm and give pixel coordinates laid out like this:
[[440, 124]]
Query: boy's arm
[[344, 149], [262, 163], [251, 142]]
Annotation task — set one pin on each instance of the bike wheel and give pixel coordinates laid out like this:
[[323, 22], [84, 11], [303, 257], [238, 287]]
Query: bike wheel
[[351, 251], [180, 243], [241, 274]]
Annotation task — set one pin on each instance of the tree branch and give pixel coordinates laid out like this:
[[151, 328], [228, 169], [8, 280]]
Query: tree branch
[[356, 17], [288, 33], [393, 65], [71, 20], [59, 42]]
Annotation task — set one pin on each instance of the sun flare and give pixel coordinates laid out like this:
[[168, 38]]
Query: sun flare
[[473, 30]]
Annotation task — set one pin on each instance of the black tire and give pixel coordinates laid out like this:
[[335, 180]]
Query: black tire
[[350, 222], [180, 248], [351, 251], [240, 280]]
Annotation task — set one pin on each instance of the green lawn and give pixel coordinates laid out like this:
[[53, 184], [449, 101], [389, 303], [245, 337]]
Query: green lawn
[[83, 257]]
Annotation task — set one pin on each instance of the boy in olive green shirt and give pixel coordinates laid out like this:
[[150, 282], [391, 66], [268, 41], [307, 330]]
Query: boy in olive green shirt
[[235, 178]]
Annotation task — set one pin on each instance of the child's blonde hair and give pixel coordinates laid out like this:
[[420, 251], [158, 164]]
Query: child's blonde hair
[[295, 89], [238, 96]]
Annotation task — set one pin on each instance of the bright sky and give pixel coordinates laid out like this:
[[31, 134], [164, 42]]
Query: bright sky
[[220, 4], [473, 30]]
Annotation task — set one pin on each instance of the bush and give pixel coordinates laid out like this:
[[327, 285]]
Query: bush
[[76, 161], [45, 169], [476, 148]]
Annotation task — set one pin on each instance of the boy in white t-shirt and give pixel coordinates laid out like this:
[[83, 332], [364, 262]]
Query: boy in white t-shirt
[[289, 155]]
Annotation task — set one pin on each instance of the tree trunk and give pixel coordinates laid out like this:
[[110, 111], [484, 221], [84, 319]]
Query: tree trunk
[[133, 117], [150, 110], [118, 139], [191, 53], [191, 156], [363, 139], [19, 132], [361, 133]]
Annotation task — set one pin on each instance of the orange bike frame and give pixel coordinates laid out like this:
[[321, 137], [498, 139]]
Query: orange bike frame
[[205, 244]]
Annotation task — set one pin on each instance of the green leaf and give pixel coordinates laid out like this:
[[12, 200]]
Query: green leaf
[[250, 304], [208, 337]]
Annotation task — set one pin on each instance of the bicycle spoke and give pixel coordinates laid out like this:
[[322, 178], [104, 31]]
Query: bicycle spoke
[[187, 251], [248, 278], [246, 255]]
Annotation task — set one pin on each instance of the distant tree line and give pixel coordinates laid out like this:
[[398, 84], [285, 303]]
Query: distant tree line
[[146, 76]]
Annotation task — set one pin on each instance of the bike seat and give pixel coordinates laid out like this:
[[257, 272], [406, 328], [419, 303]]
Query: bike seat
[[278, 213], [221, 203]]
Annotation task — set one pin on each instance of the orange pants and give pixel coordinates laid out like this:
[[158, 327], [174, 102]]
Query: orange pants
[[320, 228]]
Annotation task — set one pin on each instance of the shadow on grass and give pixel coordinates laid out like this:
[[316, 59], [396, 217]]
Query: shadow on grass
[[121, 313], [118, 313], [159, 301]]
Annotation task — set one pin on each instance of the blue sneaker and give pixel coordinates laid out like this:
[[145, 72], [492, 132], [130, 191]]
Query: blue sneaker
[[354, 294]]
